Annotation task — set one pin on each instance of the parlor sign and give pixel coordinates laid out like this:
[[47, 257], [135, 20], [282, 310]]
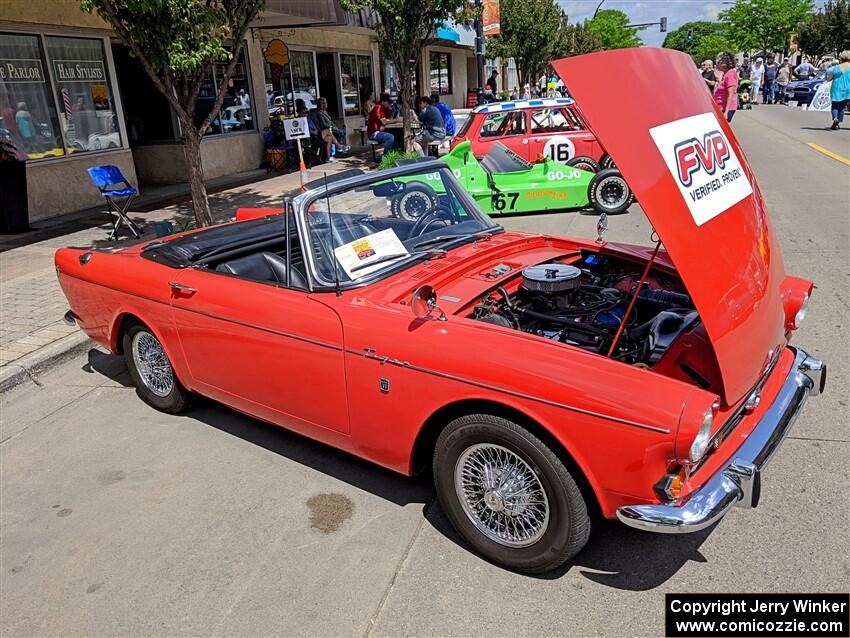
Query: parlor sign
[[20, 70]]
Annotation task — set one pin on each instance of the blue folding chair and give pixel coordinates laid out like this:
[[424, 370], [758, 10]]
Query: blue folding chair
[[108, 179]]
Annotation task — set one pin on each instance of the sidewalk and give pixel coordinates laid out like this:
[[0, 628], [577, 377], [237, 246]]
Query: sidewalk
[[32, 332]]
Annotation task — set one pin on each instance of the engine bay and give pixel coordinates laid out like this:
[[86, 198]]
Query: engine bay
[[584, 303]]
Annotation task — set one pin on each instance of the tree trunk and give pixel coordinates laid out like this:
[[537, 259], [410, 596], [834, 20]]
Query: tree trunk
[[195, 173], [404, 94]]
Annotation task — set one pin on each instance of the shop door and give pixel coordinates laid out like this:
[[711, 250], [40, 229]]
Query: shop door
[[328, 82]]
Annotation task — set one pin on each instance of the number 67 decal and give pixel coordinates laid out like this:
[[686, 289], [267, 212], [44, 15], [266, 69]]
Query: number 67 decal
[[502, 201]]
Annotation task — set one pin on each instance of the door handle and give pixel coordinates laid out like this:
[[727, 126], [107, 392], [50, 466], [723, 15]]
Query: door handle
[[182, 287]]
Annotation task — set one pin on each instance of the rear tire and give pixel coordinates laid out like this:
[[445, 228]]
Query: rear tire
[[508, 494], [151, 370], [607, 162], [609, 193], [584, 163]]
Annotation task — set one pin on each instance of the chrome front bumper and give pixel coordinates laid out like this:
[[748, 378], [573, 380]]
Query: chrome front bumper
[[739, 482]]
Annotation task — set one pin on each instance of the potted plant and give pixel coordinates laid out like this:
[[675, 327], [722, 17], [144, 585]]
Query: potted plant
[[14, 210]]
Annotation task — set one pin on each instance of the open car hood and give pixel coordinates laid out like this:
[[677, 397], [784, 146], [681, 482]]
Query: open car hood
[[662, 129]]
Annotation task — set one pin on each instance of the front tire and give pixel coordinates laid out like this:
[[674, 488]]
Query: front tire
[[508, 494], [414, 201], [609, 193], [151, 370]]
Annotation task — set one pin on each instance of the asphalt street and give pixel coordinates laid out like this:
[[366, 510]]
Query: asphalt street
[[117, 519]]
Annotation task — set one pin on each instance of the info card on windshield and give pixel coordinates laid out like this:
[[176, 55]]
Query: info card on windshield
[[368, 249]]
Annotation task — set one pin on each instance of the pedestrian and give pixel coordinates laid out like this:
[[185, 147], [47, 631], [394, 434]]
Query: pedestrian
[[709, 75], [804, 70], [744, 69], [26, 127], [243, 99], [771, 68], [269, 97], [369, 103], [330, 134], [541, 84], [839, 92], [757, 76], [726, 90], [448, 117], [492, 84], [379, 117], [783, 77], [526, 91], [433, 129]]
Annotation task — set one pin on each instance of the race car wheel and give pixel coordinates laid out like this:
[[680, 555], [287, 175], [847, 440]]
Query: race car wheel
[[584, 163], [151, 371], [607, 162], [508, 494], [414, 201], [609, 193]]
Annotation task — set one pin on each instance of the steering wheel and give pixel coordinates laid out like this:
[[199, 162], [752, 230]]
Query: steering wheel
[[426, 220]]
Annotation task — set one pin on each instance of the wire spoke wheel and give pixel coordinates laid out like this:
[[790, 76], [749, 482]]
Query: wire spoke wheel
[[152, 364], [502, 495]]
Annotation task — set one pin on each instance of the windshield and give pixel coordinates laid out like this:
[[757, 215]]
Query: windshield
[[375, 228]]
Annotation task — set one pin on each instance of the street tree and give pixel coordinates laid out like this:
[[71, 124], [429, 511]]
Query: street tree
[[702, 40], [827, 31], [766, 25], [610, 25], [532, 33], [577, 39], [403, 28], [178, 42]]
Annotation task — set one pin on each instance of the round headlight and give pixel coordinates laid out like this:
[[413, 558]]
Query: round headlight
[[700, 443], [801, 313]]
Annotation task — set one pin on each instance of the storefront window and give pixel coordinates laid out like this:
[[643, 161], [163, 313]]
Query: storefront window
[[236, 112], [356, 80], [301, 82], [27, 110], [87, 110], [441, 73]]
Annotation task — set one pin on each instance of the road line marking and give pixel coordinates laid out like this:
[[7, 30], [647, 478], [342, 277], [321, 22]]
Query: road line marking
[[834, 156]]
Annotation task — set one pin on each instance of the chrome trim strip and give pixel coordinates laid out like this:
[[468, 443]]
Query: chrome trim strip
[[739, 481], [289, 335], [369, 353]]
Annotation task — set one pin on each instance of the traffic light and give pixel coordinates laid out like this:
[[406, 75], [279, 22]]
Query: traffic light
[[663, 25], [690, 35]]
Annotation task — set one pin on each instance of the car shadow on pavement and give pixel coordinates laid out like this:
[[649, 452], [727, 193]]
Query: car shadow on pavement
[[616, 556], [330, 461]]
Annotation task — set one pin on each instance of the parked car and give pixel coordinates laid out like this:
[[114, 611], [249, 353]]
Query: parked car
[[803, 91], [502, 182], [534, 129], [541, 378]]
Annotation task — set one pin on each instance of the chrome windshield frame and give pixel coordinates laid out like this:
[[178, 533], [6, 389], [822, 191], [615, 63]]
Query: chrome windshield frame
[[302, 202]]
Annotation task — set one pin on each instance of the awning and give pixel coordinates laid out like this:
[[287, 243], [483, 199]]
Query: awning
[[447, 33]]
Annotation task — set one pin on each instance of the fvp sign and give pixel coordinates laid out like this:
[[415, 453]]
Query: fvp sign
[[79, 71], [703, 165]]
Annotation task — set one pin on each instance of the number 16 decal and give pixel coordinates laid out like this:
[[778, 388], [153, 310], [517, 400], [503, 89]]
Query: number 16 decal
[[504, 201], [559, 149]]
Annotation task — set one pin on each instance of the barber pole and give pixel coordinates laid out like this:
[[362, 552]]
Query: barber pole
[[66, 100]]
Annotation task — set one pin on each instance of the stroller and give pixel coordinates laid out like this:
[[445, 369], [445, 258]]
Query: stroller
[[744, 94]]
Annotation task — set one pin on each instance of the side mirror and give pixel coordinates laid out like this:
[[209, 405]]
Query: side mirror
[[423, 303]]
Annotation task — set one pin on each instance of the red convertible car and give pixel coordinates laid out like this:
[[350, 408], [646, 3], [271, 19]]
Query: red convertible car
[[543, 379]]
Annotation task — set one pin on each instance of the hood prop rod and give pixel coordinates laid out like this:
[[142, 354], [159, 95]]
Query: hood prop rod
[[633, 299]]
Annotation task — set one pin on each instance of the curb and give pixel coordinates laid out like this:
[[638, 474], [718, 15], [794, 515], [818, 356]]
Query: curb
[[30, 365]]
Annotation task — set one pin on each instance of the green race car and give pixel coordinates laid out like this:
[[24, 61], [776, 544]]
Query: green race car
[[503, 182]]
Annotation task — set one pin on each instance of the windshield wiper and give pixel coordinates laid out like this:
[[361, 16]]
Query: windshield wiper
[[481, 234]]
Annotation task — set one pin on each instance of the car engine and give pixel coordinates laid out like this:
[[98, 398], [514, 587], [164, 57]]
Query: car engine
[[584, 304]]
